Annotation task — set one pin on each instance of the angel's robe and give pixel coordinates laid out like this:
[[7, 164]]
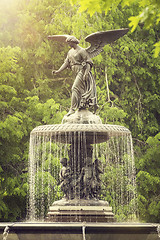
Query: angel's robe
[[84, 87]]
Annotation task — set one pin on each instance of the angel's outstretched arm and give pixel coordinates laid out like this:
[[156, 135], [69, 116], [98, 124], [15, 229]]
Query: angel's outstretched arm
[[63, 67]]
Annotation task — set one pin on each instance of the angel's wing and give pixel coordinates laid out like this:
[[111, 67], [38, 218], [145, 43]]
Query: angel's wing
[[59, 38], [99, 39]]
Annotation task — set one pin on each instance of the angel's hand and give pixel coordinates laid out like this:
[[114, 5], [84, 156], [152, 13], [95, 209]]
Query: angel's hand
[[54, 72], [49, 37]]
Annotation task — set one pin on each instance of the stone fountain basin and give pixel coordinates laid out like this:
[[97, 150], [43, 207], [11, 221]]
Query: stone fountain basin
[[80, 231], [95, 133]]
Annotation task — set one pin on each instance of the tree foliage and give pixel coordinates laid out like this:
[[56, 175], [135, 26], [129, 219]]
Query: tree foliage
[[148, 13], [149, 172]]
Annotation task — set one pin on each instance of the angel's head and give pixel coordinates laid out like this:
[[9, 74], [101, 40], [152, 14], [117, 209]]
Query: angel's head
[[72, 39]]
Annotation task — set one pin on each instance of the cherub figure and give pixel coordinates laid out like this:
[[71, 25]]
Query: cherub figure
[[79, 60], [87, 178], [65, 178], [97, 170]]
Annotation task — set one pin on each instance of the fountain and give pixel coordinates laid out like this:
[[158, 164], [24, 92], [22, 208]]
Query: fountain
[[96, 160], [80, 178]]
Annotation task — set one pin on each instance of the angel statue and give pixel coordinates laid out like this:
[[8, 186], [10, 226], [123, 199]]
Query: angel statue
[[80, 61]]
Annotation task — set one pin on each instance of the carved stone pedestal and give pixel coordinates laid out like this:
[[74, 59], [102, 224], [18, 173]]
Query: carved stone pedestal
[[80, 214]]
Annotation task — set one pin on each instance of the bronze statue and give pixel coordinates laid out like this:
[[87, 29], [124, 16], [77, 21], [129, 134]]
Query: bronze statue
[[65, 177], [87, 179], [97, 170], [79, 60]]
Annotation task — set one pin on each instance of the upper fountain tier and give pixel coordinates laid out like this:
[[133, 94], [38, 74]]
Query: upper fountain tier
[[81, 121]]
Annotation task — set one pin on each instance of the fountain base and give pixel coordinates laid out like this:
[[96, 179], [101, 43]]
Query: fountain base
[[80, 214], [79, 231]]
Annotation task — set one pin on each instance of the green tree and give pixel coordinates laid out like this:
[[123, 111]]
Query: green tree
[[148, 180], [148, 13]]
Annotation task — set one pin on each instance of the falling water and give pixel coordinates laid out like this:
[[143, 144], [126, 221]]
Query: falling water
[[49, 144]]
